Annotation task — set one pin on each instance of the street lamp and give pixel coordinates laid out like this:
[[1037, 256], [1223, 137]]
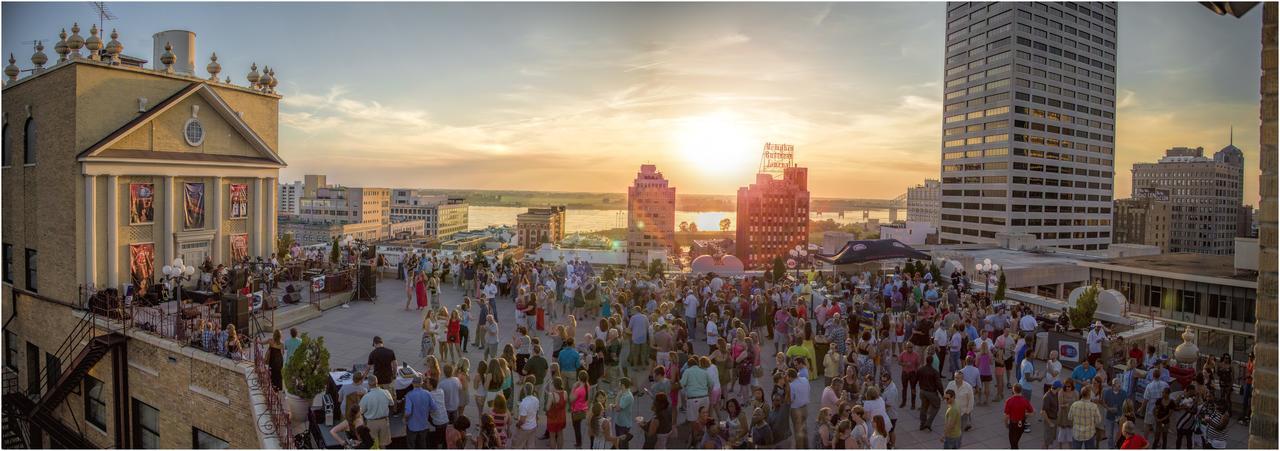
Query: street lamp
[[798, 255], [987, 270], [177, 272]]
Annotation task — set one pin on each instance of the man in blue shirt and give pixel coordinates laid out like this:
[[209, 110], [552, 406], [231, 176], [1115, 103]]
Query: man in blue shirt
[[639, 356], [569, 358], [417, 416], [1084, 373]]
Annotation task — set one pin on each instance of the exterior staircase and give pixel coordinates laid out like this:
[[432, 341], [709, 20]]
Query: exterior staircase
[[22, 412]]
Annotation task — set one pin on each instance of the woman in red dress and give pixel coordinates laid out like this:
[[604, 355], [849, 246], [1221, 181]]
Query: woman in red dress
[[539, 298], [555, 414], [420, 287]]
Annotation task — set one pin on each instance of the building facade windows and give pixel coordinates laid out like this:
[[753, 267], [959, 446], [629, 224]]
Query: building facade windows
[[4, 145], [29, 142], [31, 271], [146, 426], [204, 440], [95, 405], [11, 350], [8, 263]]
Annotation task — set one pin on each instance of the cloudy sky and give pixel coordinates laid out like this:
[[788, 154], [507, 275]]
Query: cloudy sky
[[574, 97]]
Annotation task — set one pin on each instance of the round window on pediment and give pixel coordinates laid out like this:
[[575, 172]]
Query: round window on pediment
[[194, 132]]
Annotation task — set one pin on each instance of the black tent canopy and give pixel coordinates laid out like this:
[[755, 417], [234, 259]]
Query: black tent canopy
[[862, 251]]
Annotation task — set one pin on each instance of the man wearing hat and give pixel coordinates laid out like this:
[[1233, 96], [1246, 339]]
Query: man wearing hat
[[1096, 337]]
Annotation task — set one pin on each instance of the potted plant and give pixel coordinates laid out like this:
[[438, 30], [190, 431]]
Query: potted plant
[[305, 376]]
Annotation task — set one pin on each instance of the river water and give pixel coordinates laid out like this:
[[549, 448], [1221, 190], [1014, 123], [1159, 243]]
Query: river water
[[593, 220]]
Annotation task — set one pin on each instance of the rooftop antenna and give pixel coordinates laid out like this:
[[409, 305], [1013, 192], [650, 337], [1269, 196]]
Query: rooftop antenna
[[104, 13], [1231, 138]]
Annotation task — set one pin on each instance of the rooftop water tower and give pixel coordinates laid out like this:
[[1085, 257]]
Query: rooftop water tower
[[184, 48]]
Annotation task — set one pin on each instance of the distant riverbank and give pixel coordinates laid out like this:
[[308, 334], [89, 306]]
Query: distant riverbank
[[579, 220], [618, 201]]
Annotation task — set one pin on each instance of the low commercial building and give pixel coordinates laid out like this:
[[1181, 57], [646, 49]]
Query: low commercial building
[[318, 232], [540, 225], [1143, 221], [1044, 273], [911, 233], [1211, 293], [442, 216]]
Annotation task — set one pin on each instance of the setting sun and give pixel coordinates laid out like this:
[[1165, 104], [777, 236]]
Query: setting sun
[[717, 143]]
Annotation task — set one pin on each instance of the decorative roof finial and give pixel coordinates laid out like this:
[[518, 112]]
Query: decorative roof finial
[[228, 79], [274, 81], [75, 42], [253, 75], [114, 48], [214, 68], [167, 58], [264, 82], [12, 70], [94, 43], [39, 58], [61, 46]]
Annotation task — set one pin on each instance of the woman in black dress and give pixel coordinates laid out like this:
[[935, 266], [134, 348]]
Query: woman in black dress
[[275, 360]]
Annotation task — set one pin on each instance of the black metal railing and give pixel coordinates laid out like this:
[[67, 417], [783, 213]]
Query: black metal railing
[[278, 416]]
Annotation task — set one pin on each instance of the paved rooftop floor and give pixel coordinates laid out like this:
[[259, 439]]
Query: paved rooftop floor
[[349, 332]]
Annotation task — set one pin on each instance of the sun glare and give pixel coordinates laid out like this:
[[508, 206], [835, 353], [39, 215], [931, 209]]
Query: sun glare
[[717, 143]]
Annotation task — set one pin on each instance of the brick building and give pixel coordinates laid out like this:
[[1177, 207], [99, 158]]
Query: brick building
[[1142, 221], [111, 170], [540, 225], [773, 217]]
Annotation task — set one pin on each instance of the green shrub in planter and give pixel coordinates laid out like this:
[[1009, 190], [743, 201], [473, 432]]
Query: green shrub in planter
[[307, 371]]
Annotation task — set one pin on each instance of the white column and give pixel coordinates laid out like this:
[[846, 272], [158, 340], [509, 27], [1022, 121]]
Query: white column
[[113, 229], [215, 207], [255, 224], [171, 207], [269, 214], [90, 227]]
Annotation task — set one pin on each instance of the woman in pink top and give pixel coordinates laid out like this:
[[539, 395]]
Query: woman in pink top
[[986, 369], [578, 405]]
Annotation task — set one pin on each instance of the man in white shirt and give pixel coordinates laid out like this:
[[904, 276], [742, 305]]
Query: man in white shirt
[[490, 290], [691, 312], [713, 331], [964, 397], [527, 423], [799, 403], [1096, 337], [570, 284], [1151, 395], [1027, 324]]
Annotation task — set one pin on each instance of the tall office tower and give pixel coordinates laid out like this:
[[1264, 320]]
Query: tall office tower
[[1206, 195], [922, 202], [1029, 124], [651, 215]]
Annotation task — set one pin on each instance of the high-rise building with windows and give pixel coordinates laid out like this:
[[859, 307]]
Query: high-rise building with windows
[[1029, 123], [773, 217], [651, 214], [289, 195], [922, 202], [1205, 194]]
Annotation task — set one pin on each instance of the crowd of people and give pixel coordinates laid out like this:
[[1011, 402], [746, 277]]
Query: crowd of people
[[731, 362]]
